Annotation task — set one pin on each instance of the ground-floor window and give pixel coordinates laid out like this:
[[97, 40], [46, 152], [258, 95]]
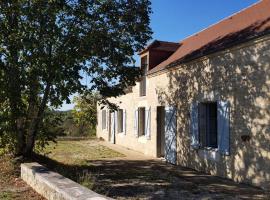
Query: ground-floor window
[[208, 124], [120, 120], [104, 119], [141, 120]]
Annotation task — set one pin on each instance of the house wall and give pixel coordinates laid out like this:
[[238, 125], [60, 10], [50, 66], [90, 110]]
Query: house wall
[[240, 75], [130, 102]]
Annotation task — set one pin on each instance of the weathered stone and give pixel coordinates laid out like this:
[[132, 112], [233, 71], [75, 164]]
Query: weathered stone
[[53, 186]]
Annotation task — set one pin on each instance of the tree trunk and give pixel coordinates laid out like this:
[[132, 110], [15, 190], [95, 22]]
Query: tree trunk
[[34, 124], [20, 138]]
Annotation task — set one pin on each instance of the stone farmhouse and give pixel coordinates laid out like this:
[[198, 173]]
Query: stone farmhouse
[[203, 102]]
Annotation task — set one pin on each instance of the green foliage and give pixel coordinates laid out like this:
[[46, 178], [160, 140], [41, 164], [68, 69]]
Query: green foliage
[[7, 140], [49, 130], [46, 45], [85, 112], [6, 196]]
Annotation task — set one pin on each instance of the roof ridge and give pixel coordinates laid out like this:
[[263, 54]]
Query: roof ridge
[[223, 19], [245, 24]]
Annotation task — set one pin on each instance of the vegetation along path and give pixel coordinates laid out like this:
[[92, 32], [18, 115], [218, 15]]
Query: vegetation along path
[[131, 175]]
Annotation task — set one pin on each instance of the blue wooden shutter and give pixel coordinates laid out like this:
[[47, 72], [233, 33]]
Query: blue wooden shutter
[[223, 120], [170, 134], [112, 127], [148, 123], [194, 126], [124, 121], [136, 128]]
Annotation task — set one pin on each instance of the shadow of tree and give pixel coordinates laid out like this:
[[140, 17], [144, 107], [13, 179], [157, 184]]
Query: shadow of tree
[[239, 75], [151, 179]]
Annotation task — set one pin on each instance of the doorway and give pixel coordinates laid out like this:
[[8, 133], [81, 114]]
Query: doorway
[[160, 131]]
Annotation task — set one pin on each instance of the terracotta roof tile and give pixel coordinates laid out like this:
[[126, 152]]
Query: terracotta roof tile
[[241, 26]]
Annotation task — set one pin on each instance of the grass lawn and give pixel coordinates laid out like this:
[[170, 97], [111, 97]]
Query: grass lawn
[[79, 152], [73, 159]]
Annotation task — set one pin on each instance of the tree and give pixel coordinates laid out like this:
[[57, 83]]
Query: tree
[[46, 45], [85, 111], [49, 129]]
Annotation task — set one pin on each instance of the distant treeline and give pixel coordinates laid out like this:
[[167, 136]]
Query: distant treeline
[[71, 127]]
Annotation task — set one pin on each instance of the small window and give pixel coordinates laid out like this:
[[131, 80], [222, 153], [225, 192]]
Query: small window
[[144, 66], [120, 120], [208, 124], [141, 120], [103, 119], [143, 86]]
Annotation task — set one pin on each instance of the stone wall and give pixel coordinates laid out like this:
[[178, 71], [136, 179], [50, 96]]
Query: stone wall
[[53, 186], [239, 75]]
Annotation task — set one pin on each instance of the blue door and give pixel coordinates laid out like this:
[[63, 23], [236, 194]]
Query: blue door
[[170, 134]]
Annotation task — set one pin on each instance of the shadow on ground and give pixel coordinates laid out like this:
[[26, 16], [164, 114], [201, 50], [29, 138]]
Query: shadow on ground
[[151, 179]]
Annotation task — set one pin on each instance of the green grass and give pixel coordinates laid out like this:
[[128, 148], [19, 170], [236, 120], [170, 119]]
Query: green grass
[[73, 159], [6, 196], [79, 152]]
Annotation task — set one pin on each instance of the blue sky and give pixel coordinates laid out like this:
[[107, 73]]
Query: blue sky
[[174, 20]]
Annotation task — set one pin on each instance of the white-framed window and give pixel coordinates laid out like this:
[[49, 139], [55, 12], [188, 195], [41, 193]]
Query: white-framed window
[[104, 119], [141, 120], [120, 120], [210, 125]]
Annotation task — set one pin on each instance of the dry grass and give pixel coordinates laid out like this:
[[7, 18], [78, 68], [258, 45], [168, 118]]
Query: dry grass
[[72, 159], [79, 152], [11, 186]]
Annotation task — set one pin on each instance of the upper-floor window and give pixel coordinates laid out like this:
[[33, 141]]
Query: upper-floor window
[[144, 67]]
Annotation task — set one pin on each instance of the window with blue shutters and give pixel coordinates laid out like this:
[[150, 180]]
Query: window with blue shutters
[[210, 125], [142, 122]]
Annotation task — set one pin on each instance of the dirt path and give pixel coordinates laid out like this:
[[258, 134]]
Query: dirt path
[[138, 176], [11, 186]]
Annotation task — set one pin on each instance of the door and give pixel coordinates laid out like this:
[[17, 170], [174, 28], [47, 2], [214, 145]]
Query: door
[[160, 131], [170, 135], [112, 128]]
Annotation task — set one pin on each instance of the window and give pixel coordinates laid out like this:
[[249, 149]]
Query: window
[[120, 121], [143, 80], [141, 120], [208, 124], [103, 119]]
